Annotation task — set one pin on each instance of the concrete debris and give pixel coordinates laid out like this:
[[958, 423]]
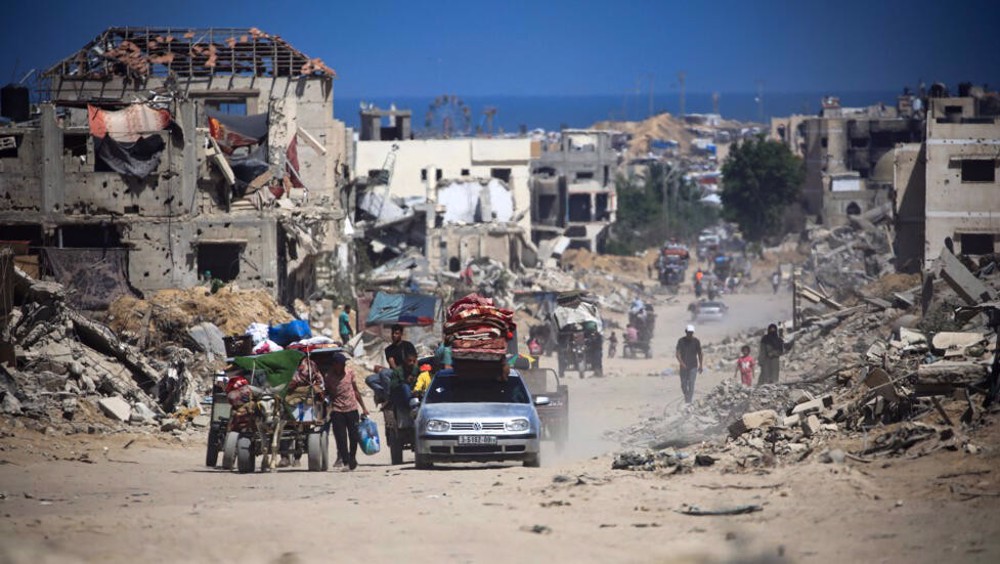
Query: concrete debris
[[891, 382], [115, 407]]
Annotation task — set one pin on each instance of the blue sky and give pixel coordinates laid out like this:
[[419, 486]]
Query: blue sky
[[476, 48]]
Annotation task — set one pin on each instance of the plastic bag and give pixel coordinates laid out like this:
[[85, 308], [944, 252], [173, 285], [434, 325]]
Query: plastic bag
[[368, 435]]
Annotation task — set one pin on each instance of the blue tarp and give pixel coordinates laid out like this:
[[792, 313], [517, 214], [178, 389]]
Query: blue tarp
[[404, 309]]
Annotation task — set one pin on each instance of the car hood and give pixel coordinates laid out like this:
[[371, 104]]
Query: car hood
[[460, 411]]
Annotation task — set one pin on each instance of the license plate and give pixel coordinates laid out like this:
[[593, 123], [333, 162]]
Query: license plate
[[477, 440]]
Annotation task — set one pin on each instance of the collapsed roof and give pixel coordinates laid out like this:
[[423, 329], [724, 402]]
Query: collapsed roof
[[144, 52]]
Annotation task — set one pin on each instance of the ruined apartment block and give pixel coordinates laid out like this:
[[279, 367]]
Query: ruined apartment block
[[179, 152], [573, 191], [947, 188], [455, 200]]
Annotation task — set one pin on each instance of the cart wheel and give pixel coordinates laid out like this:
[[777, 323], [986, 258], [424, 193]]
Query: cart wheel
[[325, 447], [314, 447], [229, 450], [212, 453], [245, 459], [533, 461]]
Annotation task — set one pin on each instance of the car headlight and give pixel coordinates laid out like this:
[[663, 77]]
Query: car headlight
[[517, 425], [438, 426]]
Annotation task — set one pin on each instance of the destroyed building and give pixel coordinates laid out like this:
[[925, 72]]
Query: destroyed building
[[167, 155], [848, 155], [573, 191], [449, 201], [947, 187]]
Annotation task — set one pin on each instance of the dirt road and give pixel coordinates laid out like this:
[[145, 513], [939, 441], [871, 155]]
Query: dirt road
[[86, 498]]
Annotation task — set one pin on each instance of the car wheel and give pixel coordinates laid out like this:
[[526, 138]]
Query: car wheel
[[421, 462], [533, 461]]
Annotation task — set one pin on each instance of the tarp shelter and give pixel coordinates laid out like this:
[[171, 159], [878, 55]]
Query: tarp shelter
[[404, 309]]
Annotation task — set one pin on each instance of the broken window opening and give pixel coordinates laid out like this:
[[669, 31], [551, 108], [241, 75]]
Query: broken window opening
[[859, 142], [438, 174], [585, 175], [233, 107], [853, 209], [575, 231], [978, 170], [99, 236], [9, 146], [75, 144], [546, 171], [221, 260], [501, 174], [454, 265], [423, 175], [822, 142], [579, 207], [976, 243], [601, 212], [607, 175], [465, 172]]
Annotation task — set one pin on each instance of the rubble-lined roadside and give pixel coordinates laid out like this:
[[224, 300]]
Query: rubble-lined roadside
[[879, 377]]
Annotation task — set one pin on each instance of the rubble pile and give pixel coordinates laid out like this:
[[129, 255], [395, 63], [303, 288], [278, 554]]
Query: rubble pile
[[864, 382], [71, 369], [167, 315]]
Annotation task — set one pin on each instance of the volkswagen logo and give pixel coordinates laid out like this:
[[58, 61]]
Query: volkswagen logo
[[477, 426]]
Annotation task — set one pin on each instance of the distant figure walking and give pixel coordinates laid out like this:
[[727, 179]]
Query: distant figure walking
[[612, 345], [345, 325], [776, 280], [689, 357], [772, 346]]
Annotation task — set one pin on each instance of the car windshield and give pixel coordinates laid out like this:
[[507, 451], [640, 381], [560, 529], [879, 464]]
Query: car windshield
[[468, 389]]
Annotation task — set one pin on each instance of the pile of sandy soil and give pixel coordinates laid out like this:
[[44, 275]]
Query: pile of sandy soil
[[662, 126], [889, 284], [165, 315], [634, 268]]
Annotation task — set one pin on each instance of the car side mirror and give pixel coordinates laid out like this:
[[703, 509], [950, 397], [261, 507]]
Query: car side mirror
[[542, 400]]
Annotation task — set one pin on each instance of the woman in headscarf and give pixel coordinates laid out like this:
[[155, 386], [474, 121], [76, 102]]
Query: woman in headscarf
[[771, 348]]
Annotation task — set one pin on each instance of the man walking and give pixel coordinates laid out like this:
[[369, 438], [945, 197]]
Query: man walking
[[689, 356], [345, 324]]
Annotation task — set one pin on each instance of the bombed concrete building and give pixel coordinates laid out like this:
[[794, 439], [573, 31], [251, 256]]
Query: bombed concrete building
[[573, 190], [165, 156], [947, 188], [449, 201], [848, 154]]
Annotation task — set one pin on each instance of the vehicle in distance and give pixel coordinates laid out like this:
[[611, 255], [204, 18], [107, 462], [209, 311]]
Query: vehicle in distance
[[478, 418], [708, 310]]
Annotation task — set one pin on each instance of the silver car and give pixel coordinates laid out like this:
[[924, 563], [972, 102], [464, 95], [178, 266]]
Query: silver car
[[477, 418]]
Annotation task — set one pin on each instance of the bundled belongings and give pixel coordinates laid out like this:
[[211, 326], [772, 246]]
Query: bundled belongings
[[477, 329]]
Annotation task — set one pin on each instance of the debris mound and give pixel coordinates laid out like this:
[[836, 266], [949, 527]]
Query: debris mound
[[166, 316]]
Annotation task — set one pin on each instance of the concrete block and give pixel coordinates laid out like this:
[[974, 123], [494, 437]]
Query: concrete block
[[115, 408], [209, 338], [813, 406], [753, 420], [800, 396], [810, 425], [201, 421], [965, 283], [142, 414], [790, 421]]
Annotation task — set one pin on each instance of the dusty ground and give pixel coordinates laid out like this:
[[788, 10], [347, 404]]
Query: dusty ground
[[102, 498]]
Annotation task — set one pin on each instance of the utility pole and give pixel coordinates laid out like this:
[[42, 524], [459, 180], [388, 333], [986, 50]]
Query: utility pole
[[760, 101], [651, 94], [680, 79]]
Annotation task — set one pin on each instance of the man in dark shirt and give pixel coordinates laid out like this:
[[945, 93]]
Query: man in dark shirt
[[689, 356], [395, 354]]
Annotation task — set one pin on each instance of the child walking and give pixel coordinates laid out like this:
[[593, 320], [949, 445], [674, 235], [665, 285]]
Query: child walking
[[745, 366]]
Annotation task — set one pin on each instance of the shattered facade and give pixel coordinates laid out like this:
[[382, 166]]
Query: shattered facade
[[185, 150], [848, 155], [573, 191], [947, 187]]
